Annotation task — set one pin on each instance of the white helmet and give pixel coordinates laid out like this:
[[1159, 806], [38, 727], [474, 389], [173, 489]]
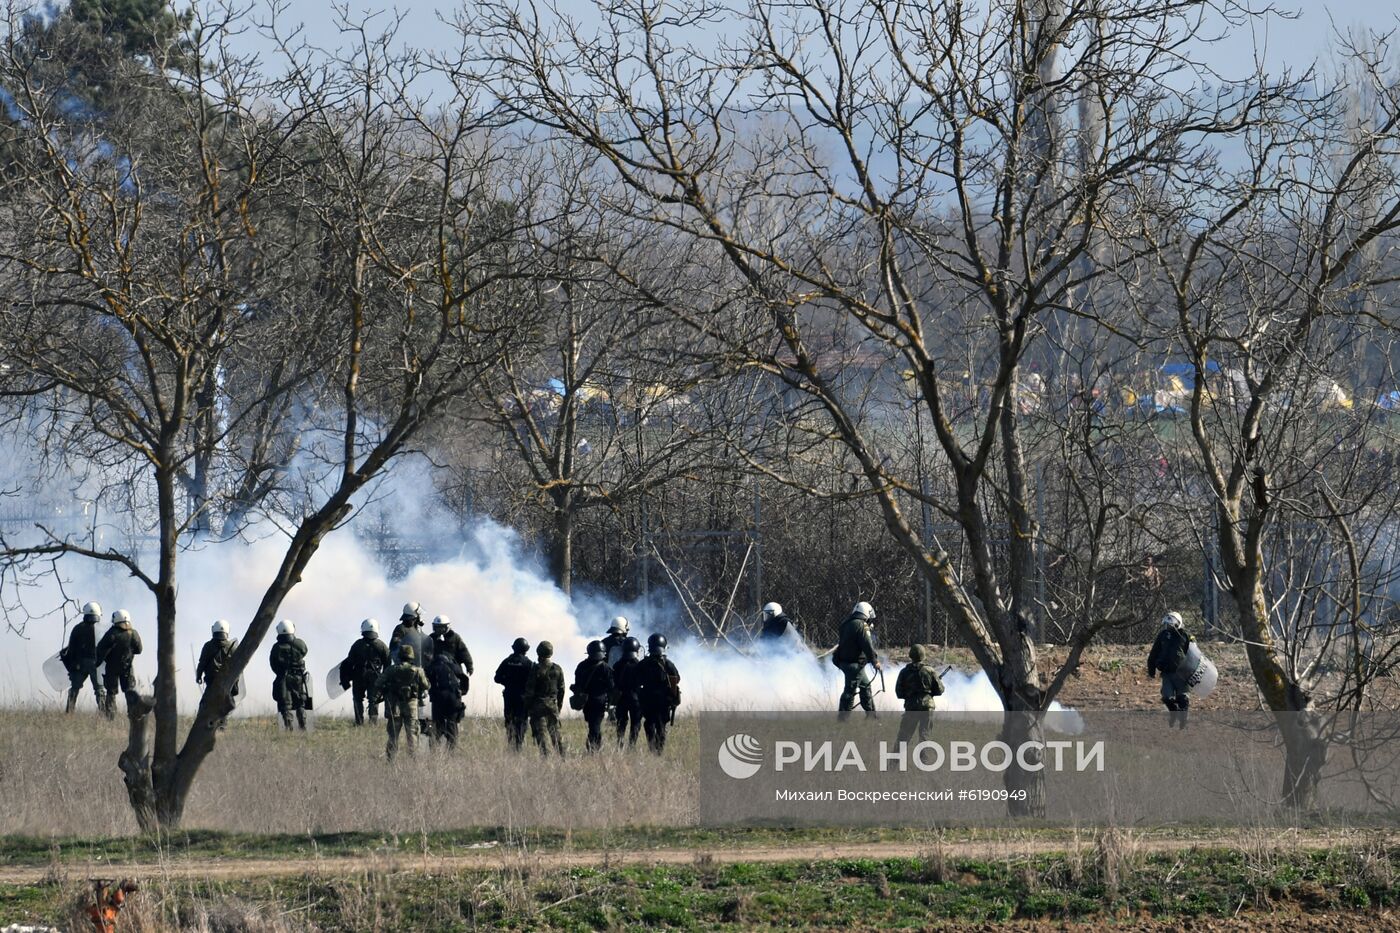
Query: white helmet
[[286, 627], [120, 616], [92, 609], [369, 625], [220, 627], [441, 622], [772, 609], [618, 626], [866, 610], [411, 611], [1172, 620]]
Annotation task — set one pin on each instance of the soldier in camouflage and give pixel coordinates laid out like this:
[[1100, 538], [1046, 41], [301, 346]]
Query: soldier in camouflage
[[917, 685], [402, 686], [544, 696]]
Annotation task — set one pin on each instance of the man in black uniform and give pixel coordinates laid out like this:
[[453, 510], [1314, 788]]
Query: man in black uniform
[[368, 658], [658, 691], [289, 686], [214, 657], [80, 656], [446, 684], [512, 674], [775, 622], [1168, 655], [628, 705], [446, 641], [613, 641], [855, 649], [593, 687], [119, 646]]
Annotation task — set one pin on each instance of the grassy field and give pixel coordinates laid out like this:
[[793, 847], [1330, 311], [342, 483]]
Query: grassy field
[[292, 832], [1109, 881]]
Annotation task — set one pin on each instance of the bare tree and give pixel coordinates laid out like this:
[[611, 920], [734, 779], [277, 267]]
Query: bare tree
[[153, 260], [597, 399], [1260, 274], [893, 182]]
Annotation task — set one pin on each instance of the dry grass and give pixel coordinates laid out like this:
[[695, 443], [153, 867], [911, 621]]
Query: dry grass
[[61, 779]]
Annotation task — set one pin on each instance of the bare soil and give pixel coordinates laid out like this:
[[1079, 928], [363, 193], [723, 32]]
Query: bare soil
[[495, 858]]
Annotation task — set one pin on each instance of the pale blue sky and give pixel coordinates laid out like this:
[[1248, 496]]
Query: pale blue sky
[[1280, 42]]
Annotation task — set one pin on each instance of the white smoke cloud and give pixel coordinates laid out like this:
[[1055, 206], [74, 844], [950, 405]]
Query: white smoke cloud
[[485, 581]]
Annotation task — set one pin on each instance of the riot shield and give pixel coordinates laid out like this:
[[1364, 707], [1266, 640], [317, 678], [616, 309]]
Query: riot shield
[[56, 674], [333, 687], [1200, 680]]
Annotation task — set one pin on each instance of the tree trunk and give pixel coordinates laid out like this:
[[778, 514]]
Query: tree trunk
[[561, 551], [1305, 753], [1017, 729], [135, 763]]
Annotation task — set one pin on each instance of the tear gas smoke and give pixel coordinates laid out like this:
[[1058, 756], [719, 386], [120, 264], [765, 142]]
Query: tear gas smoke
[[490, 588]]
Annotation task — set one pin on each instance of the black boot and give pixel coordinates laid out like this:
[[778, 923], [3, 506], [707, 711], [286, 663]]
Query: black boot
[[1183, 705], [72, 701]]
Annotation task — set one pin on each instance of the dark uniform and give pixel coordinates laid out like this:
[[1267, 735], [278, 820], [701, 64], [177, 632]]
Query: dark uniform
[[628, 703], [213, 658], [119, 645], [916, 685], [402, 686], [410, 633], [1168, 655], [512, 674], [289, 690], [854, 651], [544, 695], [446, 685], [448, 642], [613, 643], [80, 660], [658, 693], [776, 626], [593, 679], [368, 658]]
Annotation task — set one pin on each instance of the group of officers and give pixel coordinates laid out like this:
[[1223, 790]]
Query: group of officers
[[421, 678]]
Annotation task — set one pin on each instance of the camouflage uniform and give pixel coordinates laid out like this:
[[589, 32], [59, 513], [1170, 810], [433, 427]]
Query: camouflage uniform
[[80, 660], [402, 686], [854, 651], [119, 645], [410, 632], [544, 695], [512, 675], [288, 661], [368, 658], [658, 692], [917, 685]]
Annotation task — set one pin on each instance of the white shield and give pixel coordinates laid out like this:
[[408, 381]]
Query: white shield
[[56, 674], [333, 687]]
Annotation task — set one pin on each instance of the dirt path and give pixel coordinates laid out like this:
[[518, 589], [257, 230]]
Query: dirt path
[[495, 858]]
